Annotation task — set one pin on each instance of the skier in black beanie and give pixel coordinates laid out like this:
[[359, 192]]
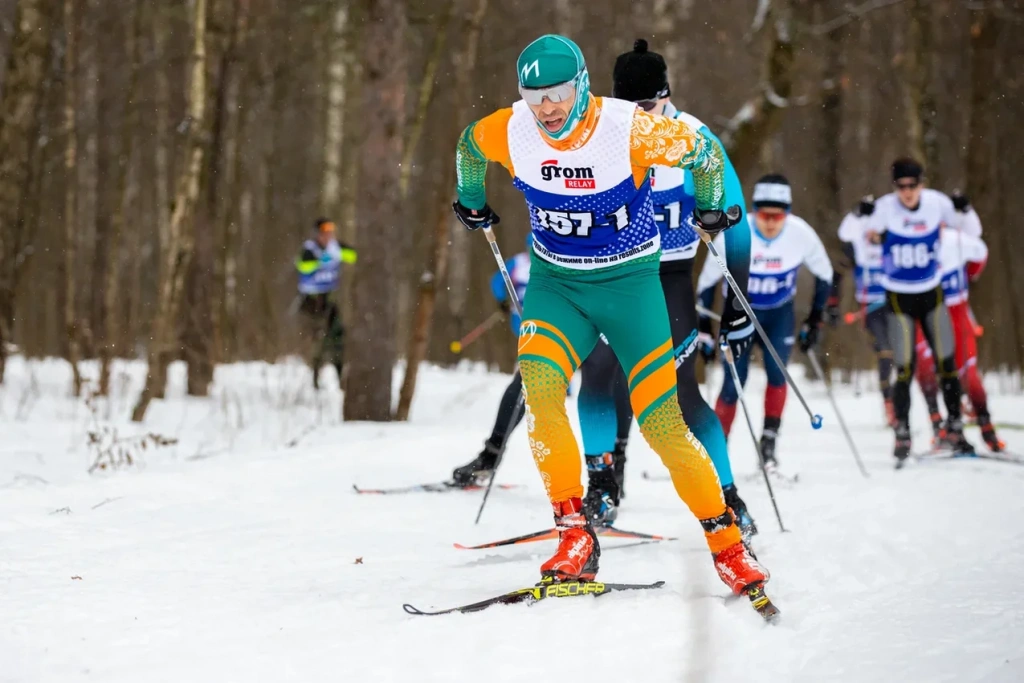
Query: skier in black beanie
[[641, 76]]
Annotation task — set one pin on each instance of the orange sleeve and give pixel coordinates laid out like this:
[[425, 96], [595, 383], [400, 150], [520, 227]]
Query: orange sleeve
[[661, 141], [489, 135]]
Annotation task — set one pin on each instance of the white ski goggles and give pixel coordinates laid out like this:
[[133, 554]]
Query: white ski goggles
[[556, 93]]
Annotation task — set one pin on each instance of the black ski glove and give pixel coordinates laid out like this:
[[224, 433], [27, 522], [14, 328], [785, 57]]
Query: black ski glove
[[737, 329], [714, 222], [866, 206], [705, 339], [475, 218], [506, 306], [960, 201], [810, 330]]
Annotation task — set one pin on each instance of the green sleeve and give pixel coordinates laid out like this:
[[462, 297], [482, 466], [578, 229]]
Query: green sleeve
[[306, 267], [348, 255], [471, 171], [707, 163]]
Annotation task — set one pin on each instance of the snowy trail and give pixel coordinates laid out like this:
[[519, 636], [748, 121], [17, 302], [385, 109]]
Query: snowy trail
[[234, 557]]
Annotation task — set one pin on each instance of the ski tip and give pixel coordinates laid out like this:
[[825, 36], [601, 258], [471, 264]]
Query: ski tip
[[816, 421], [409, 609], [459, 546]]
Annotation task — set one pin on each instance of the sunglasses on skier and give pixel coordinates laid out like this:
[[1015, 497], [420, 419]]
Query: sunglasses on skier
[[649, 105], [555, 93], [907, 186], [771, 216]]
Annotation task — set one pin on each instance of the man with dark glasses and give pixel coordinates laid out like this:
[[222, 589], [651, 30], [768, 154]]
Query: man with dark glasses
[[780, 243], [907, 223], [641, 76], [583, 164]]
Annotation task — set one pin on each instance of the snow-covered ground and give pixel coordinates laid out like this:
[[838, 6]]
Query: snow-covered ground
[[241, 553]]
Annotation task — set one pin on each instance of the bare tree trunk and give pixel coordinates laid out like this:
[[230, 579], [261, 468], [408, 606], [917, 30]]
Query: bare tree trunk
[[27, 65], [758, 119], [437, 267], [203, 294], [917, 83], [129, 126], [330, 191], [228, 213], [161, 115], [372, 337], [177, 251], [88, 172], [70, 195], [426, 94], [982, 187]]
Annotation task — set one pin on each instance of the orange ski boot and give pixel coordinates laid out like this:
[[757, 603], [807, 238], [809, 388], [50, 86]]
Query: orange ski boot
[[576, 558]]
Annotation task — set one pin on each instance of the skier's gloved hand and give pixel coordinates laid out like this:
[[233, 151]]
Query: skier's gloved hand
[[705, 339], [714, 222], [475, 218], [960, 201], [737, 329], [832, 313], [810, 331], [506, 306], [866, 206]]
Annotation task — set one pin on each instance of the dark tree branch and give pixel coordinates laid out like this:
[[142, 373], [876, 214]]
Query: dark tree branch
[[852, 14]]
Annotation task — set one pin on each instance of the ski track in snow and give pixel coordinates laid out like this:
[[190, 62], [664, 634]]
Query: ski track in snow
[[232, 556]]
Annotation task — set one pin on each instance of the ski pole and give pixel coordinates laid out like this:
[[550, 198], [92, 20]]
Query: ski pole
[[813, 357], [815, 418], [512, 419], [709, 313], [514, 299], [459, 345], [852, 317], [730, 361]]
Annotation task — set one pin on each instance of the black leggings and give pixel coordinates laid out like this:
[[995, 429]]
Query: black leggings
[[602, 377], [877, 324], [928, 309]]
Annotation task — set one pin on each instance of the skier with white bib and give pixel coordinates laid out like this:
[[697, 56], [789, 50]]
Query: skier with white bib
[[781, 243], [908, 224]]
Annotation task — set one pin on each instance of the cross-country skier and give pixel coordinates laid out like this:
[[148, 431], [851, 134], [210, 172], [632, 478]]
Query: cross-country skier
[[641, 76], [781, 243], [864, 258], [907, 223], [583, 164], [962, 259], [600, 387], [319, 268]]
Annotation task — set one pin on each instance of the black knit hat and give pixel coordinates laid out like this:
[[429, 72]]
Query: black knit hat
[[640, 75], [906, 168]]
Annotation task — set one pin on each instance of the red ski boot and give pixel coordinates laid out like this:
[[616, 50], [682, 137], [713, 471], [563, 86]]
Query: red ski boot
[[578, 551], [988, 432], [738, 570]]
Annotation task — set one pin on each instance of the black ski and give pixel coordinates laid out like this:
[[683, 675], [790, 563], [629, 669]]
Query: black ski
[[1002, 456], [542, 591], [439, 487]]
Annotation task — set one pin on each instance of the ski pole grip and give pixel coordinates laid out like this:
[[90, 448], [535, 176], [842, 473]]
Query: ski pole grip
[[816, 422]]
